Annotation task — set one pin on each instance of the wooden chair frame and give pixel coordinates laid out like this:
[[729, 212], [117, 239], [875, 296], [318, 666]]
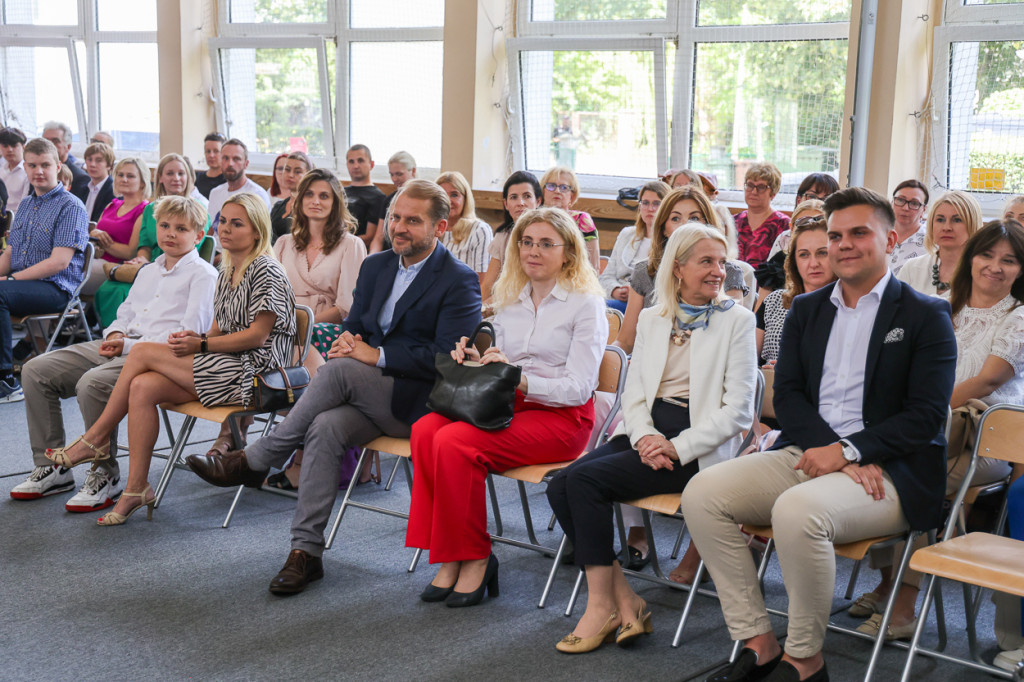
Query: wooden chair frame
[[74, 308]]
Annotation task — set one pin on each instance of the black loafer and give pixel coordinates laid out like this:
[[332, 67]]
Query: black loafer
[[746, 669], [636, 560], [785, 672]]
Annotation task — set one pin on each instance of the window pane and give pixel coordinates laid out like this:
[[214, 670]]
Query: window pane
[[277, 11], [273, 96], [37, 88], [404, 115], [397, 13], [597, 10], [590, 110], [986, 117], [755, 102], [126, 15], [757, 12], [41, 12], [130, 95]]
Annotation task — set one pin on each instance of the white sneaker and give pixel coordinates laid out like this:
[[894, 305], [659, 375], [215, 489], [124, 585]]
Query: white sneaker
[[10, 392], [1009, 660], [99, 492], [43, 481]]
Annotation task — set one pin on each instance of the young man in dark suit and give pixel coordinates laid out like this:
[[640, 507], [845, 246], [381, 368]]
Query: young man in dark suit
[[99, 160], [862, 385], [410, 303]]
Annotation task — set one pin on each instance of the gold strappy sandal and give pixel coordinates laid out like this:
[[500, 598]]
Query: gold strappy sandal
[[112, 518], [60, 458]]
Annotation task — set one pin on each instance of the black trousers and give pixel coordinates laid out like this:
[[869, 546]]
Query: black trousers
[[582, 494]]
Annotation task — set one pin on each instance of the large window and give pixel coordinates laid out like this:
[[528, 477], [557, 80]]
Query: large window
[[713, 85], [319, 76], [92, 65]]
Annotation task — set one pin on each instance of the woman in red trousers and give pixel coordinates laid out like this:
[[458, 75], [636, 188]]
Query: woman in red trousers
[[550, 322]]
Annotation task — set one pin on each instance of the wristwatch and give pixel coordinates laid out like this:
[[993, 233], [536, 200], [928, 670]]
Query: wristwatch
[[850, 453], [202, 343]]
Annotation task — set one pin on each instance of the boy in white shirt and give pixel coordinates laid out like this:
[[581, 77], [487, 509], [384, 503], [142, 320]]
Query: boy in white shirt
[[173, 294]]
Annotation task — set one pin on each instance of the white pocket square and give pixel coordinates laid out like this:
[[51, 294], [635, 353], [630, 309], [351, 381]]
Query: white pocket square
[[894, 335]]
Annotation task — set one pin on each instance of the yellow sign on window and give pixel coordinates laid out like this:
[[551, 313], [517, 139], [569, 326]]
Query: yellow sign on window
[[988, 179]]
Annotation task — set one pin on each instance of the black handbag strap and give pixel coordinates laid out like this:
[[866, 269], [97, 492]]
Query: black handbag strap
[[485, 327]]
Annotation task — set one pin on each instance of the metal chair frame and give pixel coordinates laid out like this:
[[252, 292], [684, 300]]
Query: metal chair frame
[[74, 308]]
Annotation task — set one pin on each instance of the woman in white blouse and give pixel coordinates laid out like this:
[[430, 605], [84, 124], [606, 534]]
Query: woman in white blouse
[[550, 322], [632, 246], [987, 298], [689, 394], [953, 218], [467, 237]]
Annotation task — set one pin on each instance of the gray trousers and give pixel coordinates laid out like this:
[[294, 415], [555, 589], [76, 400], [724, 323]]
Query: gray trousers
[[79, 371], [807, 516], [347, 404]]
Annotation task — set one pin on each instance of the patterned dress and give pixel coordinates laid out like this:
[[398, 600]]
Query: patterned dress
[[226, 378], [755, 245]]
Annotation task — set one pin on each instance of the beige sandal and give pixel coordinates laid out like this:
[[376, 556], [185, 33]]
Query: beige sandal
[[60, 458], [112, 518]]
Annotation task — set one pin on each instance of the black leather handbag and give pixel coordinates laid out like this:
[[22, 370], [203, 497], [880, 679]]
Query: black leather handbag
[[481, 395], [278, 389]]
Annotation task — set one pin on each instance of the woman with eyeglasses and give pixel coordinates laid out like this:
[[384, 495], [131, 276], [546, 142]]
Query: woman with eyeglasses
[[952, 220], [909, 201], [561, 190], [550, 322], [758, 226], [632, 246], [816, 186]]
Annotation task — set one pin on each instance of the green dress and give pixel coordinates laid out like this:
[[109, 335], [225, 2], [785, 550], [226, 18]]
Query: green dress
[[111, 295]]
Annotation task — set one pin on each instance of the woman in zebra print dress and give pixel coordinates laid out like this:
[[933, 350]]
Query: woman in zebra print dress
[[254, 324]]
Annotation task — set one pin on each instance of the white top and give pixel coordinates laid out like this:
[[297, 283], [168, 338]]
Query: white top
[[625, 255], [162, 301], [841, 393], [473, 250], [911, 247], [94, 191], [558, 345], [781, 243], [917, 272], [16, 181], [997, 331], [221, 193]]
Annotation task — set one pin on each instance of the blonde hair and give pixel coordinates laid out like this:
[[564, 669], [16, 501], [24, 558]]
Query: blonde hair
[[462, 229], [577, 274], [767, 172], [707, 213], [182, 207], [967, 208], [1011, 202], [190, 182], [806, 207], [661, 189], [555, 172], [259, 218], [678, 250], [141, 167]]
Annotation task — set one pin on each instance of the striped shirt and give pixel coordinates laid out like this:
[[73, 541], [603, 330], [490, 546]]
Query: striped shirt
[[56, 219], [473, 250]]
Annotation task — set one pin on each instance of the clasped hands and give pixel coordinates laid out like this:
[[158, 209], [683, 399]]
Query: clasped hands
[[463, 351], [350, 345], [657, 452], [828, 459]]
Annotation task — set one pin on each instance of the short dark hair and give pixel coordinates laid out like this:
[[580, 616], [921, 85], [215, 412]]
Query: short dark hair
[[238, 143], [984, 239], [360, 148], [913, 184], [822, 180], [860, 196], [214, 137], [12, 137]]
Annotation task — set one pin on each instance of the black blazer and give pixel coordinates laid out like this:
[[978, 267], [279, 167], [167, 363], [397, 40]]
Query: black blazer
[[79, 181], [105, 196], [440, 306], [909, 379]]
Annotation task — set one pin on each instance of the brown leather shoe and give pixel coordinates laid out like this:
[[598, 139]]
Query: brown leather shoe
[[301, 569], [227, 470]]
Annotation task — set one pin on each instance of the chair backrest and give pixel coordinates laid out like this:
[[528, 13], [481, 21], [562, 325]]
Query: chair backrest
[[90, 253], [759, 393], [611, 378], [5, 222], [768, 408], [614, 323], [303, 330], [604, 263], [207, 250]]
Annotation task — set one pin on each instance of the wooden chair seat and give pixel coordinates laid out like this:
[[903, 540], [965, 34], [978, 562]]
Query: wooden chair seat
[[856, 550], [667, 503], [218, 414], [400, 447], [991, 561], [535, 473]]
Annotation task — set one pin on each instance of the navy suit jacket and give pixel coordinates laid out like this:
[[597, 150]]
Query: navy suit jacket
[[440, 306], [105, 196], [79, 180], [909, 379]]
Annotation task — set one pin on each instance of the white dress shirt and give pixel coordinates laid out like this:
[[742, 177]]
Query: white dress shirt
[[841, 393], [221, 193], [558, 345], [16, 181], [94, 191], [162, 301]]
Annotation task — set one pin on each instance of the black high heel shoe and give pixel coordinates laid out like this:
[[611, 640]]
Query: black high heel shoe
[[489, 583], [432, 593]]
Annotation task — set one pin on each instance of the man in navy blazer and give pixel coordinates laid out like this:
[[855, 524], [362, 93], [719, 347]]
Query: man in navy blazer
[[410, 303], [862, 385]]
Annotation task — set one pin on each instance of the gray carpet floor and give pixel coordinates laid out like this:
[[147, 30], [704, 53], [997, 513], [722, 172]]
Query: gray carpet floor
[[182, 598]]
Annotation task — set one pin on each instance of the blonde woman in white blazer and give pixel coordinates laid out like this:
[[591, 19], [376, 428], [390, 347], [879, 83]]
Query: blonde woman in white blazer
[[689, 394]]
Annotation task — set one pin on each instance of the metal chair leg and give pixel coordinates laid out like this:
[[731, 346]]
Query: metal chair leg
[[415, 560], [173, 458], [679, 541], [915, 641], [394, 470], [551, 522], [690, 598], [498, 527], [575, 593], [234, 503], [554, 569], [527, 516], [344, 501], [876, 650], [851, 586]]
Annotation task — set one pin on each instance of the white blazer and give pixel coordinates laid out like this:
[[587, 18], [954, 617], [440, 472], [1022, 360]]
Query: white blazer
[[723, 378]]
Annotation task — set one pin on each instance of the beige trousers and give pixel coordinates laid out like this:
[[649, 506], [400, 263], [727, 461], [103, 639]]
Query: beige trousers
[[79, 371], [807, 516]]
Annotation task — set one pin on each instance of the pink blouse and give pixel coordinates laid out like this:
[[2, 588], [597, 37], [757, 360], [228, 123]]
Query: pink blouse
[[119, 227], [332, 277]]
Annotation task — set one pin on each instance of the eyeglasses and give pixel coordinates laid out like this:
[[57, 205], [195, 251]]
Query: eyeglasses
[[545, 245], [807, 196], [650, 204], [912, 204], [551, 187], [755, 188]]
